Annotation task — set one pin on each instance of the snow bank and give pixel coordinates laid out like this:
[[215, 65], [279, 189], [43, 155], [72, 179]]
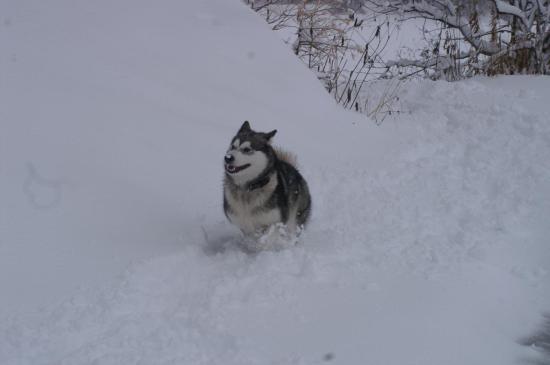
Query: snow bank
[[429, 237]]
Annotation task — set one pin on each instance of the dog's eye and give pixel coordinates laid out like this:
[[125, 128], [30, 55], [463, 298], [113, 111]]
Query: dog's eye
[[247, 150]]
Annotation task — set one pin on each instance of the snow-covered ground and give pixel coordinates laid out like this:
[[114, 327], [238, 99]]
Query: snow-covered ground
[[429, 239]]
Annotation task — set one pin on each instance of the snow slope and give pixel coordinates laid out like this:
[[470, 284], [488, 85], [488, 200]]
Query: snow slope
[[429, 239]]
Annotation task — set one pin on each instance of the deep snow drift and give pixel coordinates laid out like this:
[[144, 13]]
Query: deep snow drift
[[429, 237]]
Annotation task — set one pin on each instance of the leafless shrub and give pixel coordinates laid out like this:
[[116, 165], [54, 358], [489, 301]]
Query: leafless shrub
[[489, 38], [330, 39]]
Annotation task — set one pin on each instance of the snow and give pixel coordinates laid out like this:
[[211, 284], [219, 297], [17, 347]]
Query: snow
[[429, 237]]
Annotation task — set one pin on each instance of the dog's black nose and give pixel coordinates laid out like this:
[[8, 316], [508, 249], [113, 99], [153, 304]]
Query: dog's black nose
[[229, 158]]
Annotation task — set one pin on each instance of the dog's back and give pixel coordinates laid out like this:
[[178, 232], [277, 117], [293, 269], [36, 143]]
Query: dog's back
[[293, 193]]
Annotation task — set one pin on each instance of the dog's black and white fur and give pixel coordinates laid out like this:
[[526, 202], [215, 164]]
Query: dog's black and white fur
[[262, 187]]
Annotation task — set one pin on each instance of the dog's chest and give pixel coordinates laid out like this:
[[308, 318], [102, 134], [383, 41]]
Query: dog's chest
[[249, 210]]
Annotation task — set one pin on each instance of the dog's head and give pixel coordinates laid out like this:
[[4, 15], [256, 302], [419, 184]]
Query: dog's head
[[249, 155]]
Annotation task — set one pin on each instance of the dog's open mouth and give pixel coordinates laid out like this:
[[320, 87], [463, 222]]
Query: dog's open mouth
[[231, 169]]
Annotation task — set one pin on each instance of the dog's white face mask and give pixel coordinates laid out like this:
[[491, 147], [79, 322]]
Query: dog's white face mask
[[243, 164]]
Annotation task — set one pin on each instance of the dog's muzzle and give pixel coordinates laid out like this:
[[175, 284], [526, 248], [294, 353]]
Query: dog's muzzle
[[230, 168]]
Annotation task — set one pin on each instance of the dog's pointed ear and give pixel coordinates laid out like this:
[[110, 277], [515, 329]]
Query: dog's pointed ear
[[245, 127], [270, 135]]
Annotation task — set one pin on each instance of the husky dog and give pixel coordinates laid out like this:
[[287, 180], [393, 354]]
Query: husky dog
[[262, 187]]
